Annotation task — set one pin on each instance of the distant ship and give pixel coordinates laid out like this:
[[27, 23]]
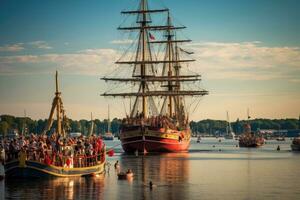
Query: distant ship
[[152, 126], [248, 138], [229, 133], [296, 144]]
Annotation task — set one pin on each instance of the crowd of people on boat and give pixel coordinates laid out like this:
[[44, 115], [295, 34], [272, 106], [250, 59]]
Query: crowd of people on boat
[[55, 150], [160, 121]]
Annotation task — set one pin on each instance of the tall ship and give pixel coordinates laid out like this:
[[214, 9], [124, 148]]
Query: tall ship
[[249, 138], [160, 82], [58, 154]]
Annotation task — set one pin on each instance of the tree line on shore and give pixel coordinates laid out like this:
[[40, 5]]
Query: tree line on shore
[[10, 124], [212, 126]]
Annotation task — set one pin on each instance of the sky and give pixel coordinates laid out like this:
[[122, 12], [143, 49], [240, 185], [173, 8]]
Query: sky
[[247, 51]]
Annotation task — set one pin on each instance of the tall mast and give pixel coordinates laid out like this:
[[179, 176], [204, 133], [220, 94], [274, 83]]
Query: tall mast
[[92, 125], [229, 131], [24, 132], [145, 77], [143, 30], [60, 113], [170, 65], [58, 106], [108, 120]]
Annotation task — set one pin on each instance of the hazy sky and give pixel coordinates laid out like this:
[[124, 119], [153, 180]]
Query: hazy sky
[[248, 53]]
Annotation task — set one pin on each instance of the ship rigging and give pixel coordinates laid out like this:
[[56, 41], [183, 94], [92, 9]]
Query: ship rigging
[[158, 77]]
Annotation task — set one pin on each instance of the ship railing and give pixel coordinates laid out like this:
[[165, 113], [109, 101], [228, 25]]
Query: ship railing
[[59, 160], [77, 161]]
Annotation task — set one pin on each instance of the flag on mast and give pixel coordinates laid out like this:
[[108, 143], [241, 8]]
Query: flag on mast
[[151, 36]]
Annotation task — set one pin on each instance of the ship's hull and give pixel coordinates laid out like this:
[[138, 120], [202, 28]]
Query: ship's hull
[[33, 169], [154, 140], [251, 143], [295, 147]]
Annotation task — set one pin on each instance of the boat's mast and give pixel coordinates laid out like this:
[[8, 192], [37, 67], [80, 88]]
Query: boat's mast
[[177, 83], [92, 125], [108, 120], [143, 32], [170, 78], [58, 106], [170, 65], [228, 124]]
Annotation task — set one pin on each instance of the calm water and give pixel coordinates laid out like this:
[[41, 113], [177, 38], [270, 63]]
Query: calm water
[[206, 172]]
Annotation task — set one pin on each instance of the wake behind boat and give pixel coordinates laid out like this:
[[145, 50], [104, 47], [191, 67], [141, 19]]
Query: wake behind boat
[[56, 155], [158, 120]]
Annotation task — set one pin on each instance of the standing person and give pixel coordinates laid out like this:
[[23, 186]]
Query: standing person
[[2, 152], [2, 171]]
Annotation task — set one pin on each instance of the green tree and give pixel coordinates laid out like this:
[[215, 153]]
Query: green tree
[[4, 128]]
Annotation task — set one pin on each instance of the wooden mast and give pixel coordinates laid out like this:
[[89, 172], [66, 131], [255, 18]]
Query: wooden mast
[[58, 106], [92, 125], [170, 78], [108, 120], [60, 115], [143, 32], [170, 87]]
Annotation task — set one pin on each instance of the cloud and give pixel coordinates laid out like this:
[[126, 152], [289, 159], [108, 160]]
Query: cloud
[[40, 45], [121, 41], [12, 48], [214, 60], [89, 62], [245, 60]]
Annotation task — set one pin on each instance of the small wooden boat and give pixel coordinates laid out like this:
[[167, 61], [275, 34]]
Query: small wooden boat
[[127, 175]]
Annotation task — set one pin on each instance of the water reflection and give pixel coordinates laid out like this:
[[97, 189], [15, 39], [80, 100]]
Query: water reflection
[[2, 189], [204, 173], [168, 172], [56, 188]]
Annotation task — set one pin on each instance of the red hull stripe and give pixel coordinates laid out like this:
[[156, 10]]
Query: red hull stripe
[[155, 146], [161, 142]]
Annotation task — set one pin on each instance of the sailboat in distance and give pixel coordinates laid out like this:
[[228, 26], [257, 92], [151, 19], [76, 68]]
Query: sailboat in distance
[[158, 120], [108, 135], [229, 133]]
